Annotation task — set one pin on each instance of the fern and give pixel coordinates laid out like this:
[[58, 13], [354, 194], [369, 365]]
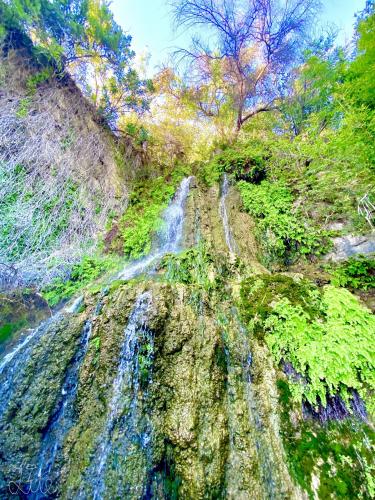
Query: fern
[[333, 352]]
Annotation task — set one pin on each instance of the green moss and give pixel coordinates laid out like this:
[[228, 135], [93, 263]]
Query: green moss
[[340, 453], [171, 480], [7, 330], [258, 293]]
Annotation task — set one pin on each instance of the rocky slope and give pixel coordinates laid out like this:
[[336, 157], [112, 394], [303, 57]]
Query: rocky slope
[[155, 387], [60, 171]]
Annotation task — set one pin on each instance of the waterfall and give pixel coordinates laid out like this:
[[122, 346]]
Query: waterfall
[[168, 239], [122, 414], [224, 216], [63, 416]]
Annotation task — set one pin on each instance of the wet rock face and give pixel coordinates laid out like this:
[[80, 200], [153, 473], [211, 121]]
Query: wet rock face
[[182, 424], [20, 310], [180, 399], [347, 246], [30, 390]]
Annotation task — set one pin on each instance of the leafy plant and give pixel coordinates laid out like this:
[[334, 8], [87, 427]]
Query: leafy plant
[[333, 352], [283, 232], [245, 162], [357, 272], [82, 274]]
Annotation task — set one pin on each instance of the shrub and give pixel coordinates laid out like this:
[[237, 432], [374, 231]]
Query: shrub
[[82, 274], [247, 163], [282, 231], [357, 272]]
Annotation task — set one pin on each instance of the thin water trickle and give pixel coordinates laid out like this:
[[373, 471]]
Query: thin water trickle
[[224, 216], [62, 418], [241, 345], [169, 237], [127, 381]]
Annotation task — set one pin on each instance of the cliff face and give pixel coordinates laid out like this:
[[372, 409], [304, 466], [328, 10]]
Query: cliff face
[[156, 386], [60, 176], [164, 394]]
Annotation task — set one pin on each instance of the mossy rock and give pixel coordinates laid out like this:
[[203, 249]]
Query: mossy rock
[[258, 293], [20, 309], [324, 460]]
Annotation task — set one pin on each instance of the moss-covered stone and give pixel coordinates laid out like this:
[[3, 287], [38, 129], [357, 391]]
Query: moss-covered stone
[[20, 309], [330, 461], [259, 292]]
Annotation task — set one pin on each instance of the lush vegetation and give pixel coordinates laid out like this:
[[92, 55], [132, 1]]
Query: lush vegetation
[[142, 219], [82, 37], [82, 274], [346, 462], [282, 231], [326, 335], [357, 272]]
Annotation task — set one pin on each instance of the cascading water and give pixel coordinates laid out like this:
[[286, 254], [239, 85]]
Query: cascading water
[[15, 367], [63, 416], [168, 238], [122, 432], [264, 451], [224, 216], [13, 363], [239, 360]]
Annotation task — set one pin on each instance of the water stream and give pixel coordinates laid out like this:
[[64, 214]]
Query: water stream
[[169, 237], [63, 415], [231, 244], [121, 425]]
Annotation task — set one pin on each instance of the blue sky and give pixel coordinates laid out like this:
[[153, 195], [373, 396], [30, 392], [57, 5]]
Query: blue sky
[[149, 23]]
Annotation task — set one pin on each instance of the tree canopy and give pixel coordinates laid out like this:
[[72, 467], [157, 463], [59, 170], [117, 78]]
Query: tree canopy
[[81, 36], [256, 44]]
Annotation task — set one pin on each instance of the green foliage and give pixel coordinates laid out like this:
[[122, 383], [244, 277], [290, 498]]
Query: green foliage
[[82, 32], [283, 232], [7, 329], [82, 274], [259, 293], [145, 361], [138, 132], [37, 79], [360, 81], [190, 267], [246, 163], [333, 352], [23, 107], [338, 452], [96, 343], [357, 272], [210, 173], [142, 218]]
